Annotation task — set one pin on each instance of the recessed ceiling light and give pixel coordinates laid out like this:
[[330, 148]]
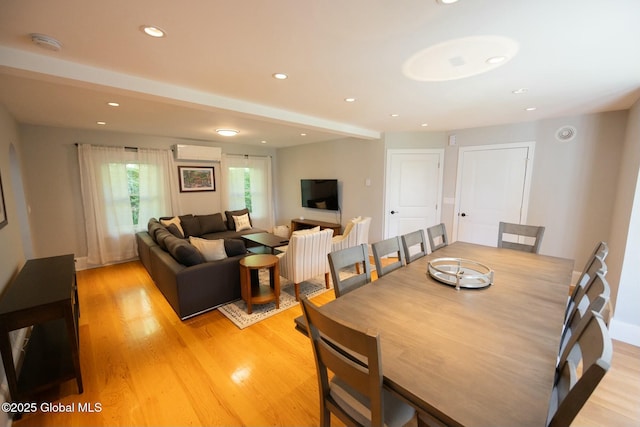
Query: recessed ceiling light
[[280, 76], [446, 1], [424, 125], [101, 123], [227, 132], [496, 59], [394, 115], [263, 142], [350, 100], [303, 134], [521, 90], [113, 104], [153, 31], [530, 109]]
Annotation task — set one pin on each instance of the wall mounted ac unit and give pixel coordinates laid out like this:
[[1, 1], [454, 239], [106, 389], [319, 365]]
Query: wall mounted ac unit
[[197, 153]]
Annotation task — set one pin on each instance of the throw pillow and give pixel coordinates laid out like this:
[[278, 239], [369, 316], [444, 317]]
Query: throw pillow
[[306, 231], [234, 247], [212, 223], [161, 235], [231, 225], [242, 222], [191, 226], [175, 220], [211, 250]]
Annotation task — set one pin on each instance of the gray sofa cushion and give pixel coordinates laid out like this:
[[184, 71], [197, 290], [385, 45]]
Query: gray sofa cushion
[[173, 229], [234, 247], [191, 226], [153, 226], [161, 235], [211, 223], [184, 252]]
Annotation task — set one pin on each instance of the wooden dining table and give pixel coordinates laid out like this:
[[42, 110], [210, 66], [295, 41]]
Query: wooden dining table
[[468, 357]]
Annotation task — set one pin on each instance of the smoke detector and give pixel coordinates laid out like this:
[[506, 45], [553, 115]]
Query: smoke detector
[[46, 42], [566, 133]]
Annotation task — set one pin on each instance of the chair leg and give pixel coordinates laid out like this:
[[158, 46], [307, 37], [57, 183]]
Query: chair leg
[[297, 288], [357, 267], [326, 280]]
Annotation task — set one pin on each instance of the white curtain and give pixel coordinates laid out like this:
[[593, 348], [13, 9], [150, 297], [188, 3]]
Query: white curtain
[[106, 184], [235, 171]]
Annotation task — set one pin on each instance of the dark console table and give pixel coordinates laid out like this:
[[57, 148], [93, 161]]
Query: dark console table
[[43, 295], [301, 224]]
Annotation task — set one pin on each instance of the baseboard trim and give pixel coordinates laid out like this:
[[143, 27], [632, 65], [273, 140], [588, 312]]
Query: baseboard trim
[[625, 332]]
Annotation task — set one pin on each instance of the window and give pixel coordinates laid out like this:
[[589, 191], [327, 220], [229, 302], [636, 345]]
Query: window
[[248, 184], [121, 190]]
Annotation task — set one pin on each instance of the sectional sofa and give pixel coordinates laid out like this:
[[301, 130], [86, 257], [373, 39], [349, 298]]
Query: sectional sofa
[[189, 282]]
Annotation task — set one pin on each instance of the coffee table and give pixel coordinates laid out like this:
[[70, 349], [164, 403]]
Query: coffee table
[[266, 240], [254, 293]]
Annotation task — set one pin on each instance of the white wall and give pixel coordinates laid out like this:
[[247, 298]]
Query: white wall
[[52, 182], [351, 162], [572, 182], [624, 242]]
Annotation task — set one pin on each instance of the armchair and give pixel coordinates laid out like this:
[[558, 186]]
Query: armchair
[[356, 232], [306, 257]]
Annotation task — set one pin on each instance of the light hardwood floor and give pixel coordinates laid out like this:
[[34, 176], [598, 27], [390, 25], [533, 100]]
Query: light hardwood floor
[[145, 367]]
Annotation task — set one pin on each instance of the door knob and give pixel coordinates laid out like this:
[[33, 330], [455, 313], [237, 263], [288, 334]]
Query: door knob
[[394, 212], [463, 214]]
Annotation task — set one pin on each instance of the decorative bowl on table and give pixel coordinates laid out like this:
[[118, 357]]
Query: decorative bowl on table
[[461, 273]]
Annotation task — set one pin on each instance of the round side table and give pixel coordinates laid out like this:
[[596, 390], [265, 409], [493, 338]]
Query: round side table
[[254, 293]]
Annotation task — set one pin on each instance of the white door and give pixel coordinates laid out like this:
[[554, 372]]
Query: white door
[[492, 186], [413, 190]]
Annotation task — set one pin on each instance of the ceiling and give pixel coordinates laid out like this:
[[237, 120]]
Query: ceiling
[[214, 67]]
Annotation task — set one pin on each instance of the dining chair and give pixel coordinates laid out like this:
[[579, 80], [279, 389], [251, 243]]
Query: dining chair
[[413, 240], [595, 266], [573, 386], [595, 298], [339, 260], [388, 247], [437, 237], [355, 393], [534, 232], [597, 256]]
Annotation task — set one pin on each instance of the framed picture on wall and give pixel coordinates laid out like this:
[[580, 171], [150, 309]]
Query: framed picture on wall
[[196, 178], [3, 209]]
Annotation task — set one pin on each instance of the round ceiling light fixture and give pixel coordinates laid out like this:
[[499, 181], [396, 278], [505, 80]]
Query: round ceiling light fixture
[[227, 132], [280, 76], [446, 1], [460, 58], [153, 31], [46, 42]]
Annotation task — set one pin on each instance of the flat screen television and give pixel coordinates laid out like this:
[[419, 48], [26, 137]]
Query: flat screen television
[[319, 194]]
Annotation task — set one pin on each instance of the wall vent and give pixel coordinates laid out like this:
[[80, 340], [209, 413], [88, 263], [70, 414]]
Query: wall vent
[[197, 153], [566, 133]]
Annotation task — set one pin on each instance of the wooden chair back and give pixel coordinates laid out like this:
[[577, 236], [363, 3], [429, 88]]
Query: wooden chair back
[[353, 356], [573, 386], [533, 232], [411, 241], [388, 247], [437, 237], [346, 258], [594, 267]]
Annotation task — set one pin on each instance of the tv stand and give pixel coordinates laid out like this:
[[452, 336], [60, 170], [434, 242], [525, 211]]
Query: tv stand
[[301, 224]]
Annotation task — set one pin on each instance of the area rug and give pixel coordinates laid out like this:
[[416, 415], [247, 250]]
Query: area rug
[[236, 311]]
